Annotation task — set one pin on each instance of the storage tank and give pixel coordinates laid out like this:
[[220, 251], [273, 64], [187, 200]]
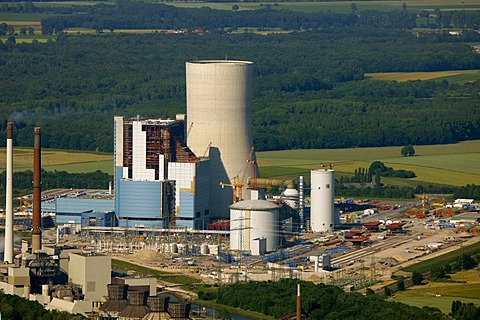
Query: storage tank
[[204, 249], [219, 123], [252, 219], [322, 197]]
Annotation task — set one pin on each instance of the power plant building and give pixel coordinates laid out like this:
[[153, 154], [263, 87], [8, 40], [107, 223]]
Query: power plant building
[[159, 182], [322, 200], [219, 103]]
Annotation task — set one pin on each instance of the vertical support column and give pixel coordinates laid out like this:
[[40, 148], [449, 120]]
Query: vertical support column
[[37, 189], [8, 251], [301, 204]]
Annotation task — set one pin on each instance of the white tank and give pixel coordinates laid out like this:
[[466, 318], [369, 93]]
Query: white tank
[[251, 219], [322, 197], [219, 103], [291, 198], [204, 249], [173, 248]]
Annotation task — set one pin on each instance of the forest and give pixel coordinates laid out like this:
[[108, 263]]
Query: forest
[[16, 308], [141, 15], [318, 302], [310, 89]]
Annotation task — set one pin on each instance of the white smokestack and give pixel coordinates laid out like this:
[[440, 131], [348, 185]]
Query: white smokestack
[[8, 251]]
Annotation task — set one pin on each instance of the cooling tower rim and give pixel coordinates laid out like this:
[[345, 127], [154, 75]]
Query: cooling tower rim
[[226, 62]]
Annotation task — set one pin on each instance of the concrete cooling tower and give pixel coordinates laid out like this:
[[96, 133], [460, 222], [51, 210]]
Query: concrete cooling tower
[[219, 123]]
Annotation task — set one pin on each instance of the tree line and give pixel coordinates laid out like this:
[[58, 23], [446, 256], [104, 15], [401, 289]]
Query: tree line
[[140, 15], [319, 301]]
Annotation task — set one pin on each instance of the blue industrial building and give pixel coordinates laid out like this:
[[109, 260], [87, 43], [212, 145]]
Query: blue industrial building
[[69, 210]]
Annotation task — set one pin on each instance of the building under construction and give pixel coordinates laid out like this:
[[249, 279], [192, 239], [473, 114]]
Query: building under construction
[[159, 182]]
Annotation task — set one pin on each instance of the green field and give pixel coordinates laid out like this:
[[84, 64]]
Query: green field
[[454, 76], [454, 164], [427, 265], [442, 303], [67, 160], [341, 6]]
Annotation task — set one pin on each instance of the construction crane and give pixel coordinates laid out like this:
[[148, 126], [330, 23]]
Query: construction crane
[[238, 182]]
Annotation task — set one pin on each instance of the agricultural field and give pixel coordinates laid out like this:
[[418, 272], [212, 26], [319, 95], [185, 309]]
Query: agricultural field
[[444, 303], [463, 285], [453, 164], [454, 76], [60, 160], [342, 6]]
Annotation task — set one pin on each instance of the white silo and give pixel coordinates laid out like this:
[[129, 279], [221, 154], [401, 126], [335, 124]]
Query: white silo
[[322, 197], [253, 219], [219, 103]]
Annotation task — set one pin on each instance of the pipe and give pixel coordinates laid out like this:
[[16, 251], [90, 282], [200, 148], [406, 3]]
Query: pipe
[[299, 303], [269, 182], [8, 251], [37, 189]]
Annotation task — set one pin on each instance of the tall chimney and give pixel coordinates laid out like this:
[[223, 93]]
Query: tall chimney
[[37, 188], [8, 251], [299, 303]]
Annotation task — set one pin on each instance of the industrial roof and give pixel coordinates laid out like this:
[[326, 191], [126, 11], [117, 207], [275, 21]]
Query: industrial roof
[[257, 205]]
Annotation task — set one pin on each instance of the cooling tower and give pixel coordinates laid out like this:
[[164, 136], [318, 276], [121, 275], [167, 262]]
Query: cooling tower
[[322, 197], [219, 103]]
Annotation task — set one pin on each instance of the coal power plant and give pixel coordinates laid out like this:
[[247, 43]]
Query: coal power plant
[[186, 191]]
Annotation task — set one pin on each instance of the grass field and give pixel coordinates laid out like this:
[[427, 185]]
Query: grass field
[[427, 265], [71, 161], [443, 303], [457, 76], [455, 164], [342, 6]]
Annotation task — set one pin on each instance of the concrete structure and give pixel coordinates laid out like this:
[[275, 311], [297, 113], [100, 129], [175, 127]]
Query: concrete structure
[[159, 182], [219, 102], [92, 272], [8, 251], [322, 198], [251, 220]]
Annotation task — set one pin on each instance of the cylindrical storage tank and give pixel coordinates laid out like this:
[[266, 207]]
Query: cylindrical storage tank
[[291, 198], [204, 249], [173, 248], [214, 249], [252, 219], [45, 290], [322, 197], [219, 103]]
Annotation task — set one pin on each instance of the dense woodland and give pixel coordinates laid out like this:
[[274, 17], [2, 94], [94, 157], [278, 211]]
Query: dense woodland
[[318, 302], [16, 308], [306, 96]]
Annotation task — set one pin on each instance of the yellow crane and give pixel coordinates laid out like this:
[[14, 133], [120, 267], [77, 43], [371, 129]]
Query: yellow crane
[[238, 182]]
